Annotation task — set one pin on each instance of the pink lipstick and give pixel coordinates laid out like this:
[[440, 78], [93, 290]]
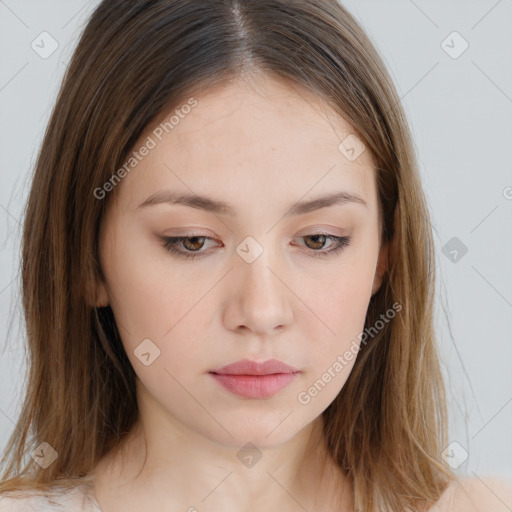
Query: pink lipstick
[[250, 379]]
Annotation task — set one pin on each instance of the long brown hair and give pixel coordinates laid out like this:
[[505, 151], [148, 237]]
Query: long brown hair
[[135, 60]]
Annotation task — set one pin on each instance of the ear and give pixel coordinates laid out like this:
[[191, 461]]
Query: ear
[[102, 298], [386, 252], [382, 267], [96, 293]]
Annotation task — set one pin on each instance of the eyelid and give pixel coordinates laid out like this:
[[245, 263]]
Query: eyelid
[[324, 230]]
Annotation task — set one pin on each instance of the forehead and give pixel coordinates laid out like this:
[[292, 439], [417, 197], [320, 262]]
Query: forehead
[[261, 136]]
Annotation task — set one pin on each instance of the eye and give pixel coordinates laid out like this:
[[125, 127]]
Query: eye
[[319, 239], [193, 245]]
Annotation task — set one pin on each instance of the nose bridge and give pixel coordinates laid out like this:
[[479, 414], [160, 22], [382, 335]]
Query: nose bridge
[[259, 300], [259, 276], [255, 266]]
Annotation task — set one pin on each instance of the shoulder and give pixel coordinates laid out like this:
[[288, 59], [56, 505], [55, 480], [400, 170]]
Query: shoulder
[[476, 494], [21, 502], [74, 500]]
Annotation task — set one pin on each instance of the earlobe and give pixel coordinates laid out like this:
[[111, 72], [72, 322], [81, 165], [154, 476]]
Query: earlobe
[[101, 296], [97, 294]]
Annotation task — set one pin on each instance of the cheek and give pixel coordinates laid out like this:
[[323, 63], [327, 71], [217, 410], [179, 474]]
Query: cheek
[[341, 298], [340, 311], [152, 300], [160, 319], [148, 292]]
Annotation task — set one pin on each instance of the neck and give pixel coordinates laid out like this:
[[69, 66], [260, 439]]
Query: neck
[[163, 463]]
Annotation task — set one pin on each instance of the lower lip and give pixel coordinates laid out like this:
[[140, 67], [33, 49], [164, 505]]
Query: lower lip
[[255, 386]]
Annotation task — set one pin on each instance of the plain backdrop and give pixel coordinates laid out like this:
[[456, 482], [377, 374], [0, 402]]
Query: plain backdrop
[[452, 64]]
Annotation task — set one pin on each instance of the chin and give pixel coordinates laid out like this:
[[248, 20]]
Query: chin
[[263, 431]]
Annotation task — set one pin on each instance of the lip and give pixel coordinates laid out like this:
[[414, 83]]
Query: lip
[[250, 379], [248, 367]]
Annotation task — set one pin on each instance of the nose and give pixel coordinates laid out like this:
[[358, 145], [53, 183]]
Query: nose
[[259, 299]]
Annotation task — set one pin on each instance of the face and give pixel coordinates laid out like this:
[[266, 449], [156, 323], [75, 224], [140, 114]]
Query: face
[[258, 272]]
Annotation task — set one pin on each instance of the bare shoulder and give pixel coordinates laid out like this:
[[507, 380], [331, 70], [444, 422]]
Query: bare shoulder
[[477, 494], [17, 504], [76, 499]]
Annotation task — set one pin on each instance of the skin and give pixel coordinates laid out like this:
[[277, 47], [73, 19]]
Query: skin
[[479, 494], [260, 145]]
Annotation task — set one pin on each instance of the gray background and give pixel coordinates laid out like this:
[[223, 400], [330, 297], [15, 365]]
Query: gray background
[[460, 111]]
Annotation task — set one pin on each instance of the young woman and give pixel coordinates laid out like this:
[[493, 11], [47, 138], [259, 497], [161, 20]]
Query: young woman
[[228, 275]]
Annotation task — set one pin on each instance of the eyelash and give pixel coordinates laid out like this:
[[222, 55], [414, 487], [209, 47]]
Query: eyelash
[[170, 244]]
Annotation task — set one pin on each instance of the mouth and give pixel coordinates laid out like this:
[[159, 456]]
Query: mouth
[[250, 379]]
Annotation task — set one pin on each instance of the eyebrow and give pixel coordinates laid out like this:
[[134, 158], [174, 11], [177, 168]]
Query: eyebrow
[[209, 204]]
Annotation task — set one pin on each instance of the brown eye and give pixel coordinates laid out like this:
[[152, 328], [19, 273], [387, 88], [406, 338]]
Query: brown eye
[[191, 245], [318, 241], [196, 243]]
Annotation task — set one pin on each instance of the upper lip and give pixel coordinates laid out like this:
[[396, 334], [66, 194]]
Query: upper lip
[[248, 367]]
